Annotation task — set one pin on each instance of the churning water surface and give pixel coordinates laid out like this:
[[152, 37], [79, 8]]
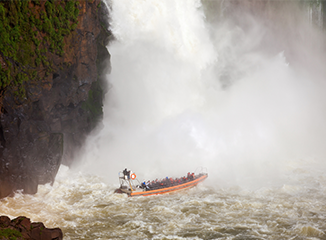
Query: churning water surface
[[85, 207], [200, 83]]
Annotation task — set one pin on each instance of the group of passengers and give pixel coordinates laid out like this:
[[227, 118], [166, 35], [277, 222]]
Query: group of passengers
[[167, 182], [158, 184]]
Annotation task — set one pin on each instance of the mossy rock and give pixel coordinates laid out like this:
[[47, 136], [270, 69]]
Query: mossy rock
[[28, 30], [9, 234]]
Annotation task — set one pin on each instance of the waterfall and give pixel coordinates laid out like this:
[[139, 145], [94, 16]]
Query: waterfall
[[237, 98], [221, 84], [315, 13]]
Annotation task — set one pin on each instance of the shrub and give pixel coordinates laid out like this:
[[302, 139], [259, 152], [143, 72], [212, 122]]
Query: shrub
[[10, 234], [22, 45]]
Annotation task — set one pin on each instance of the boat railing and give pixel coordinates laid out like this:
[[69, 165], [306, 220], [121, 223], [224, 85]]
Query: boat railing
[[127, 182], [200, 170]]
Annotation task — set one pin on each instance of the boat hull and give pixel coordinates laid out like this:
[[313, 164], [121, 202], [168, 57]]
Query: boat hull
[[171, 189]]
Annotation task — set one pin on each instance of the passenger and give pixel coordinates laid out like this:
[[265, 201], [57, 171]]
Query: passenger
[[125, 173], [188, 176], [156, 184], [167, 183], [145, 186], [162, 183], [192, 176]]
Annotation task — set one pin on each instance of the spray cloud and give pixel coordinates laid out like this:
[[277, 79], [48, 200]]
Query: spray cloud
[[236, 94]]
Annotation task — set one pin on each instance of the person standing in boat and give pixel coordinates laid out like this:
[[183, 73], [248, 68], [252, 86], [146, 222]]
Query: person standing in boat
[[126, 174]]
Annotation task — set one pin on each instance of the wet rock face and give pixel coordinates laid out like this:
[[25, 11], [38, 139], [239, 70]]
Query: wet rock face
[[43, 130], [23, 228]]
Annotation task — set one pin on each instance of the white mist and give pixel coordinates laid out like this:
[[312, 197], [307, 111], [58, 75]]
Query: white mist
[[185, 93]]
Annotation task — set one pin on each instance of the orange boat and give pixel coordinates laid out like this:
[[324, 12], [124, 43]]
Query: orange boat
[[131, 186]]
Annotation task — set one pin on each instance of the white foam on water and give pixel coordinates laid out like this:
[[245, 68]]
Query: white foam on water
[[185, 93]]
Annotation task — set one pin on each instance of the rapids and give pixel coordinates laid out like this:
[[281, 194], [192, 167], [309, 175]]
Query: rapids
[[199, 83], [85, 207]]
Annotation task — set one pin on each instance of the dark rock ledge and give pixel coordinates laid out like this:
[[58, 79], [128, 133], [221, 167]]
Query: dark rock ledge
[[22, 228], [62, 104]]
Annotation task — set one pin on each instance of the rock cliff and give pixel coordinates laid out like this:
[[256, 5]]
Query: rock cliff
[[51, 88], [22, 228]]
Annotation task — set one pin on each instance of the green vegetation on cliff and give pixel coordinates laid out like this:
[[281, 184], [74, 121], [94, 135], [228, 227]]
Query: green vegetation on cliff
[[10, 234], [29, 30]]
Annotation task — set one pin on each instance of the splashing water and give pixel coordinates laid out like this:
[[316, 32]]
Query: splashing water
[[186, 93], [84, 207], [243, 98]]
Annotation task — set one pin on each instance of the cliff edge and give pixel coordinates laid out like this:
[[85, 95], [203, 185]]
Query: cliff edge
[[52, 54]]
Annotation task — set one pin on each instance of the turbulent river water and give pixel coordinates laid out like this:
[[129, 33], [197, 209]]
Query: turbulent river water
[[201, 83], [84, 207]]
